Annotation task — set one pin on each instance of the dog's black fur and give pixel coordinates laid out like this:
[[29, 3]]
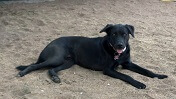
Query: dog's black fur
[[101, 53]]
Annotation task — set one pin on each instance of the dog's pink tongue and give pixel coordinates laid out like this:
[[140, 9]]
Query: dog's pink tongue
[[119, 51]]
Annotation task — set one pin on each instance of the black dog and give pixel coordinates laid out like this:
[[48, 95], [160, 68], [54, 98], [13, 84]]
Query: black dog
[[102, 53]]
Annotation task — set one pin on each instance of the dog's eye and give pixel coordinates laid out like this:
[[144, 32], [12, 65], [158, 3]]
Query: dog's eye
[[124, 34]]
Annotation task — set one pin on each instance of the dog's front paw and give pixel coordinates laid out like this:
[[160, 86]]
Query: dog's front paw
[[138, 85], [20, 74], [161, 76], [55, 79]]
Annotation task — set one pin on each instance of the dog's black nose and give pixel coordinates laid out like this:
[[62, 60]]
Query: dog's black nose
[[119, 46]]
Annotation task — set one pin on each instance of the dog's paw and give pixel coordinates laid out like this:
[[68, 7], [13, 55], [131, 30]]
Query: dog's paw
[[139, 85], [161, 76], [55, 79], [20, 74]]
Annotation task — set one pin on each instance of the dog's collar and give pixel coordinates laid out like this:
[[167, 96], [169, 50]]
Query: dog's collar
[[112, 46]]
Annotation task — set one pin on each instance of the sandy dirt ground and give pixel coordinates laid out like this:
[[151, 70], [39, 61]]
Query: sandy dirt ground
[[25, 29]]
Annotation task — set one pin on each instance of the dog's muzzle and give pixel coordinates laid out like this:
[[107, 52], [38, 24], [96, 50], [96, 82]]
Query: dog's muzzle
[[118, 52]]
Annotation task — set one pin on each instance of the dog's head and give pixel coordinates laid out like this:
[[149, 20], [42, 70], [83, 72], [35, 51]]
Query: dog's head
[[118, 36]]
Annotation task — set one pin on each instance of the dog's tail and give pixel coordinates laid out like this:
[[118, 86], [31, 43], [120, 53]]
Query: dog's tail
[[21, 68]]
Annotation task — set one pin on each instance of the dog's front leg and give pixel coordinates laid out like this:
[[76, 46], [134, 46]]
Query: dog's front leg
[[113, 73], [133, 67]]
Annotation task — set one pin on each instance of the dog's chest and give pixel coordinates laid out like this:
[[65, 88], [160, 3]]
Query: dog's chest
[[92, 60]]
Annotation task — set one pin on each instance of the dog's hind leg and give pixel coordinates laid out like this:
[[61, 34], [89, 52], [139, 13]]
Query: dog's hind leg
[[53, 72], [53, 62], [53, 56]]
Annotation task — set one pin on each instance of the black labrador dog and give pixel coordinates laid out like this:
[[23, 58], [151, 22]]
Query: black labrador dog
[[101, 54]]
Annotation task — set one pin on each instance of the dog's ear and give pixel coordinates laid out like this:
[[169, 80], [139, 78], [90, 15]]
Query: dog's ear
[[106, 28], [130, 29]]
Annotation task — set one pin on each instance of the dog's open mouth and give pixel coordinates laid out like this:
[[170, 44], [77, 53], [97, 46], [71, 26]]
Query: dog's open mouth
[[119, 51]]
